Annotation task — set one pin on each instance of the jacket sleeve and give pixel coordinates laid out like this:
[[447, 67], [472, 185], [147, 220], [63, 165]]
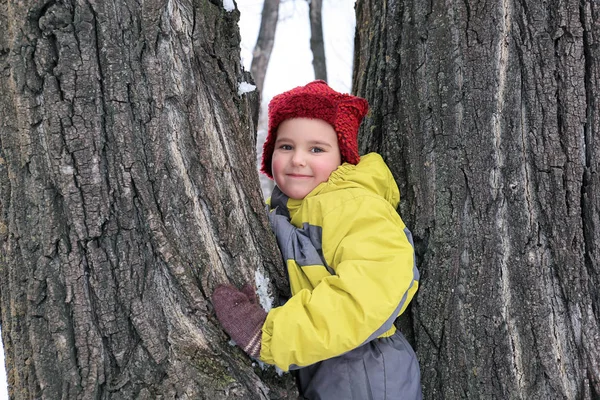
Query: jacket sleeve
[[375, 278]]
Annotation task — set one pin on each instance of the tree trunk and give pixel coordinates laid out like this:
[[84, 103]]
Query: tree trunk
[[487, 114], [126, 165], [317, 44], [264, 42], [260, 63]]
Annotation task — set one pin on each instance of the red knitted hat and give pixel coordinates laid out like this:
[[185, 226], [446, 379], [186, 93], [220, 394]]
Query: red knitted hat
[[317, 100]]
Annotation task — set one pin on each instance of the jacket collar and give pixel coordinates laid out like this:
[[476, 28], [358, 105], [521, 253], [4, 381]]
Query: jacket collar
[[371, 173]]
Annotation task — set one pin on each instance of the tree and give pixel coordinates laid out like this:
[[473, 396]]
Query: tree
[[317, 45], [264, 42], [125, 158], [487, 114], [260, 62]]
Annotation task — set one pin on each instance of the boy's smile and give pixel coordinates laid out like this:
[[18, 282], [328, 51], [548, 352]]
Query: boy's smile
[[306, 153]]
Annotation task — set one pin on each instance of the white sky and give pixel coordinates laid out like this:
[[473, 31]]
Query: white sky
[[291, 60]]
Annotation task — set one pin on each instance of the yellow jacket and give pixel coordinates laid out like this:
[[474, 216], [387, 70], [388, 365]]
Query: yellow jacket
[[351, 266]]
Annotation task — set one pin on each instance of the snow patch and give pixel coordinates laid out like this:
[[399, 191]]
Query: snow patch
[[228, 5], [245, 87], [262, 290], [265, 366]]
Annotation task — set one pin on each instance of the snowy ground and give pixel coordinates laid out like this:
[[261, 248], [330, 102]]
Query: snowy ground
[[291, 59]]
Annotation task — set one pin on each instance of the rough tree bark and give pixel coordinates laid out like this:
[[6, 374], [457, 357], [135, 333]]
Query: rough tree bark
[[488, 115], [264, 42], [317, 45], [128, 191]]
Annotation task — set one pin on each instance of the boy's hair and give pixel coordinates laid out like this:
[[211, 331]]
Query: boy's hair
[[317, 100]]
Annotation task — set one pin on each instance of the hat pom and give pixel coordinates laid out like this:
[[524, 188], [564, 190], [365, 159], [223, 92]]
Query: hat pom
[[350, 114]]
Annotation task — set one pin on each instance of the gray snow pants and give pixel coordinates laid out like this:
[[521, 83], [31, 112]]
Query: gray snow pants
[[382, 369]]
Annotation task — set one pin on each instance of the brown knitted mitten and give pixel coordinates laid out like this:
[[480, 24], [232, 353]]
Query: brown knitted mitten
[[240, 315]]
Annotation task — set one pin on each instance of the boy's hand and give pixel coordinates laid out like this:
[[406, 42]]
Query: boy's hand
[[241, 316]]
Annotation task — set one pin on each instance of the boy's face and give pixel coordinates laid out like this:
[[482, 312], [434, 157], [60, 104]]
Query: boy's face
[[306, 153]]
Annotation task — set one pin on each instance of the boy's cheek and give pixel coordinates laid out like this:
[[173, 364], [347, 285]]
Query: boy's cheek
[[276, 164]]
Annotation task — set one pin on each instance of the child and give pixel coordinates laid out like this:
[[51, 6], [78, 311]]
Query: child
[[349, 257]]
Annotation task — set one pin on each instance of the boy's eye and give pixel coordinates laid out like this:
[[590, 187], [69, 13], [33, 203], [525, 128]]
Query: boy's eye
[[285, 147], [317, 150]]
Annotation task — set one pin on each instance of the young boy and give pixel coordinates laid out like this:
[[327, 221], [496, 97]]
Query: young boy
[[349, 257]]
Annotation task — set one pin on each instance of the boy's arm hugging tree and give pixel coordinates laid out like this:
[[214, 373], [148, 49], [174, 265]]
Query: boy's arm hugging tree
[[375, 279]]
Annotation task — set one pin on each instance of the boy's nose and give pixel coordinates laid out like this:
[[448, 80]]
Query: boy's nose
[[298, 158]]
